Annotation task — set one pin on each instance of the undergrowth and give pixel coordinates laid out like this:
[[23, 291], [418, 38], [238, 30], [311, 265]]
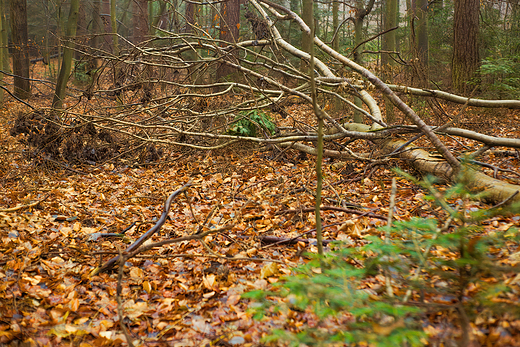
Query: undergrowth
[[383, 293], [252, 123]]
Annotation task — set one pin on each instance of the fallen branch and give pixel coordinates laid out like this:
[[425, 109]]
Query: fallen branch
[[455, 98], [16, 208], [273, 240], [334, 208], [134, 246]]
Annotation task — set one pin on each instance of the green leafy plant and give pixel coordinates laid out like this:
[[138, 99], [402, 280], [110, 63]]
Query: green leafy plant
[[501, 76], [83, 71], [442, 264], [252, 123]]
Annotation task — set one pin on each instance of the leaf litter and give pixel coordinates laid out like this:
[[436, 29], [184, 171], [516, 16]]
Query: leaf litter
[[57, 225]]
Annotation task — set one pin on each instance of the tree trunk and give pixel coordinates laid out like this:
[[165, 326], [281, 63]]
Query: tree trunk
[[189, 14], [140, 21], [113, 27], [421, 39], [158, 17], [22, 86], [2, 44], [466, 59], [4, 33], [229, 30], [106, 41], [68, 52], [335, 24], [306, 39], [81, 31], [390, 19], [361, 13], [96, 25]]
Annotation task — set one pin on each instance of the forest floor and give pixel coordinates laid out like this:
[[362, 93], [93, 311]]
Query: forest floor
[[189, 293]]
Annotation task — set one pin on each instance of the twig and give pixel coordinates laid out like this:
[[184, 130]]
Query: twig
[[16, 208], [388, 284], [334, 208], [178, 239], [504, 202], [208, 218], [112, 262], [185, 255]]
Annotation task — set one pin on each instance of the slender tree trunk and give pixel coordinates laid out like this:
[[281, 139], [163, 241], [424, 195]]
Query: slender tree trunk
[[22, 86], [2, 44], [420, 39], [307, 16], [4, 32], [390, 20], [293, 27], [229, 30], [113, 27], [125, 9], [361, 13], [106, 40], [157, 18], [96, 24], [68, 52], [140, 21], [189, 13], [466, 58], [515, 27], [335, 24], [81, 31]]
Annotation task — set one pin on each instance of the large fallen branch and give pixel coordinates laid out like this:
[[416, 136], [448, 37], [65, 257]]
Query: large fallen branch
[[494, 190], [455, 98]]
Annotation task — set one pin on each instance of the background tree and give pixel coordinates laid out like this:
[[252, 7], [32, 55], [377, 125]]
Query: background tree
[[68, 52], [2, 44], [20, 39], [466, 57], [390, 21], [420, 40], [361, 11], [140, 23], [308, 18], [229, 30], [335, 23], [4, 33]]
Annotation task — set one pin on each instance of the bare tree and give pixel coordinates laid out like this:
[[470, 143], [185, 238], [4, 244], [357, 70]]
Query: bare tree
[[18, 17]]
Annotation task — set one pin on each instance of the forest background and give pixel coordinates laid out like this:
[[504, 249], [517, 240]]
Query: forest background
[[235, 172]]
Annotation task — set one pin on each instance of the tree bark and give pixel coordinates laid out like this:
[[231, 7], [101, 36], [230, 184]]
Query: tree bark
[[140, 21], [229, 30], [361, 13], [307, 17], [2, 44], [335, 24], [4, 32], [113, 27], [22, 86], [390, 17], [420, 8], [466, 58], [68, 51]]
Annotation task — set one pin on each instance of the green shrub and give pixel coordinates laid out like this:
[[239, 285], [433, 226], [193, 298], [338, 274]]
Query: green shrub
[[422, 261], [501, 76], [83, 71], [252, 123]]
